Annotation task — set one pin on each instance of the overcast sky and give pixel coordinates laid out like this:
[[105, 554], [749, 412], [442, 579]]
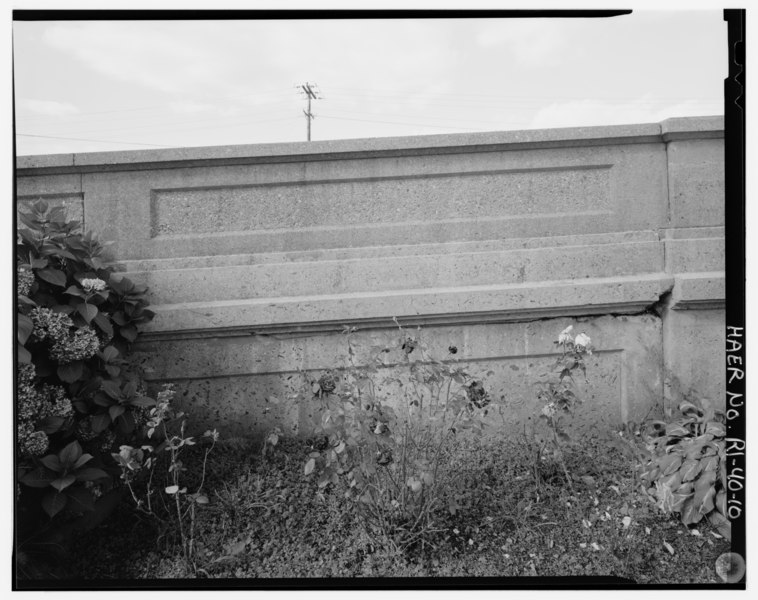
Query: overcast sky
[[108, 85]]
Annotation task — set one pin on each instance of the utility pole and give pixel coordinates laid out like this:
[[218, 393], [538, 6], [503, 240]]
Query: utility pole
[[310, 94]]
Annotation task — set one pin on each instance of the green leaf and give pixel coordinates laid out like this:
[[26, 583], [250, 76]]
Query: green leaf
[[310, 465], [70, 454], [109, 353], [28, 237], [25, 328], [51, 425], [80, 499], [83, 459], [676, 430], [58, 214], [689, 512], [715, 428], [87, 311], [51, 275], [38, 478], [100, 422], [143, 402], [62, 483], [54, 502], [126, 424], [112, 389], [118, 318], [202, 499], [26, 300], [28, 220], [52, 462], [38, 263], [24, 356], [721, 523], [113, 370], [75, 290], [104, 323], [70, 372], [129, 333], [103, 399], [66, 309], [116, 411], [91, 474], [130, 388], [172, 489]]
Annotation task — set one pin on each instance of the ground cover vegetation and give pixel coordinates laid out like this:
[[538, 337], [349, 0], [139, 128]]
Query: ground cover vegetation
[[402, 475]]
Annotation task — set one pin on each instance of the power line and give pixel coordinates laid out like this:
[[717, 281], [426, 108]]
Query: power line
[[399, 92], [277, 92], [399, 123], [158, 125], [432, 117], [53, 137]]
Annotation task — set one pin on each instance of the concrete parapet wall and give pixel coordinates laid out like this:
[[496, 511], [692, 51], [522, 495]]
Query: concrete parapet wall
[[256, 256]]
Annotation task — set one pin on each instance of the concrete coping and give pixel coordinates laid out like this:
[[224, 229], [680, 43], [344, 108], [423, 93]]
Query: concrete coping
[[675, 128]]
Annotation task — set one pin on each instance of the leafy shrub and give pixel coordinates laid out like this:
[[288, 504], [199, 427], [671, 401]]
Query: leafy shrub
[[393, 461], [558, 394], [686, 472], [166, 428], [76, 390]]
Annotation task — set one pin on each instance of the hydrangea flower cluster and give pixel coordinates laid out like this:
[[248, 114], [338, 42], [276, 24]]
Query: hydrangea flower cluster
[[30, 442], [93, 285], [49, 324], [95, 489], [35, 404], [108, 438], [84, 432], [55, 403], [83, 344], [25, 280]]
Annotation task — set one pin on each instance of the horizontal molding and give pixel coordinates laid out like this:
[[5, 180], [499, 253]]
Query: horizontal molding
[[308, 329], [694, 291], [503, 303], [689, 128]]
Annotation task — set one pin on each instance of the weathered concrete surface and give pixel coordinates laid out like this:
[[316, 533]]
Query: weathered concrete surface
[[253, 378], [55, 190], [497, 238]]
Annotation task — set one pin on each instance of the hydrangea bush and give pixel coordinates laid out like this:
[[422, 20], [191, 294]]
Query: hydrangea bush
[[76, 392]]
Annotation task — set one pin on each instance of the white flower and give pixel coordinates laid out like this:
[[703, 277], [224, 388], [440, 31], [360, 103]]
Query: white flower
[[565, 336], [582, 341], [93, 285]]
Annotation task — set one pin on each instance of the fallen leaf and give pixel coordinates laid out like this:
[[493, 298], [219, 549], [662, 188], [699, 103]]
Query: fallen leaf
[[626, 521], [668, 547], [647, 530], [696, 532], [582, 545], [716, 535], [595, 546]]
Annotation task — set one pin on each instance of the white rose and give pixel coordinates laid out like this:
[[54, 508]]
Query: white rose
[[565, 336], [583, 341]]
